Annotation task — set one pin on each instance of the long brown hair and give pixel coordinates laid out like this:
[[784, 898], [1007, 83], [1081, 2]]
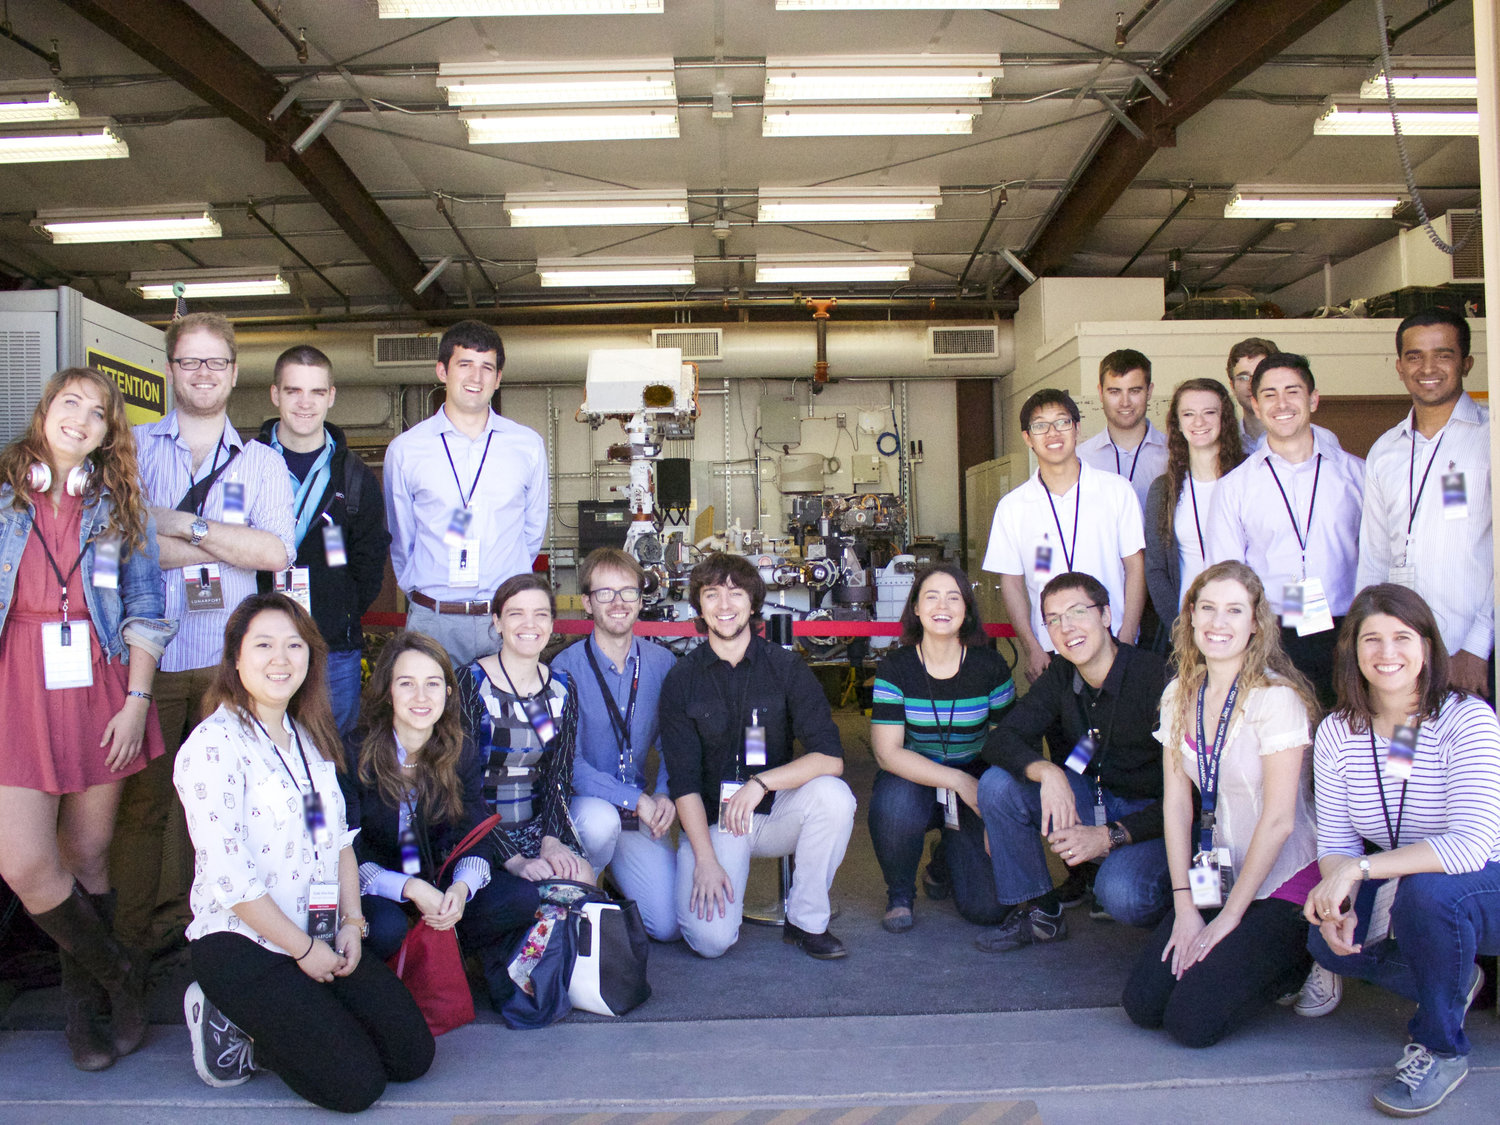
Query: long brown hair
[[1406, 606], [439, 794], [971, 632], [309, 703], [1231, 448], [1266, 661], [115, 468]]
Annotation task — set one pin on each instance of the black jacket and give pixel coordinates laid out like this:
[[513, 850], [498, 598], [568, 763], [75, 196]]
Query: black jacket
[[342, 595]]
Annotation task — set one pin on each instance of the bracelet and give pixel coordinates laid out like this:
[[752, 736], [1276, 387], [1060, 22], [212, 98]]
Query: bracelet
[[1189, 890], [766, 789], [146, 695], [311, 941]]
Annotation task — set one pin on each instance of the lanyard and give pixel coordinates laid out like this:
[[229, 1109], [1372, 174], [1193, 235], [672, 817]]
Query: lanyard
[[738, 712], [1193, 495], [944, 732], [1135, 460], [622, 725], [297, 740], [1393, 832], [1415, 494], [212, 469], [1301, 537], [62, 579], [1085, 718], [477, 472], [1209, 759], [1067, 550]]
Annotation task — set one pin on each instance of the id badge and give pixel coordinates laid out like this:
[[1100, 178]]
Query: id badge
[[1403, 576], [317, 823], [458, 527], [1316, 617], [1042, 563], [1380, 913], [1083, 753], [1401, 753], [1101, 817], [463, 563], [539, 715], [205, 590], [1455, 497], [630, 820], [107, 563], [67, 657], [323, 911], [411, 855], [727, 789], [755, 742], [1204, 882], [333, 545], [1291, 605], [948, 798], [234, 501], [294, 584]]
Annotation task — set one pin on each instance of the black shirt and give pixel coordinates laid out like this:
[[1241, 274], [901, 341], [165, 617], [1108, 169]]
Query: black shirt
[[1128, 762], [706, 704]]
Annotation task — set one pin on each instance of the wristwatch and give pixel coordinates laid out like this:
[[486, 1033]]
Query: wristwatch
[[1118, 837], [362, 923], [1364, 868], [199, 529]]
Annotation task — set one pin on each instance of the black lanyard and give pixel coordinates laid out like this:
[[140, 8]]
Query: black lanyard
[[1291, 515], [1393, 832], [1085, 717], [466, 500], [1193, 495], [62, 579], [622, 725], [944, 732], [1209, 759], [1067, 550], [297, 740], [536, 707], [213, 470], [1134, 460], [1415, 494], [738, 713]]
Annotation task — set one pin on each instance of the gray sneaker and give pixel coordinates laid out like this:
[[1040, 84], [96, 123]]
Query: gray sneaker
[[1025, 926], [1422, 1081], [223, 1055], [1320, 994]]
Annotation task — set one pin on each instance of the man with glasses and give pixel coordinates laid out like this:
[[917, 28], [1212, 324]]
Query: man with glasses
[[1244, 357], [618, 679], [1129, 445], [1099, 798], [223, 510], [1068, 517]]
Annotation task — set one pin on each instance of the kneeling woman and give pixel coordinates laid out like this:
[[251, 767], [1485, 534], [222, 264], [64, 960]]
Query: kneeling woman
[[414, 790], [1235, 721], [258, 780], [1408, 788]]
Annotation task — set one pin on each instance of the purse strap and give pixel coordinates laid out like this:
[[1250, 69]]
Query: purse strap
[[475, 834]]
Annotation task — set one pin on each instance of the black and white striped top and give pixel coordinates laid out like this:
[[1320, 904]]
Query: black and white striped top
[[1452, 800]]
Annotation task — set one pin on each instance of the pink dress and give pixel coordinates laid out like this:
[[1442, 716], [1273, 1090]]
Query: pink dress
[[51, 738]]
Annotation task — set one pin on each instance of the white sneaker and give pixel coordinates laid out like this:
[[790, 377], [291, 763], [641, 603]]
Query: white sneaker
[[1320, 994], [223, 1055]]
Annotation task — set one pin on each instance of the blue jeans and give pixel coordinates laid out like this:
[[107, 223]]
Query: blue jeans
[[1442, 922], [343, 688], [901, 814], [1133, 883]]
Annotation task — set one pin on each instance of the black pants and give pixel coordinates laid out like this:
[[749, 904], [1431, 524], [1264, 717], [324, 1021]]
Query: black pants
[[1313, 657], [334, 1044], [1262, 959]]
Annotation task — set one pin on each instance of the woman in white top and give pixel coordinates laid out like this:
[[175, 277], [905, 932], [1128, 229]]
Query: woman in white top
[[258, 780], [1203, 443], [1236, 723], [1408, 842]]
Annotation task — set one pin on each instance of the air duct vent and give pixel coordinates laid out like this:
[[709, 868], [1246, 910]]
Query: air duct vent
[[21, 362], [697, 344], [408, 349], [1468, 263], [977, 342]]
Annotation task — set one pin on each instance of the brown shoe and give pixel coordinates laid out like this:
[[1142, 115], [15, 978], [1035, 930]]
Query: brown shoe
[[824, 946]]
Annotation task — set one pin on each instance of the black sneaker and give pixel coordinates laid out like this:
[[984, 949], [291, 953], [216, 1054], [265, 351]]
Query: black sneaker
[[223, 1055], [824, 946], [1075, 889], [936, 885], [1097, 912], [1027, 925]]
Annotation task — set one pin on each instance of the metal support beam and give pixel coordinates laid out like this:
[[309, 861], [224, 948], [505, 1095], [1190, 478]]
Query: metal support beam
[[1228, 50], [175, 39]]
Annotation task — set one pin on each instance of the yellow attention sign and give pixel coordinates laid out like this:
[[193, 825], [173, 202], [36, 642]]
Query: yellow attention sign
[[145, 391]]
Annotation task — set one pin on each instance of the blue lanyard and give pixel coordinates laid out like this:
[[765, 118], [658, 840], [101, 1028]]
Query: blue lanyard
[[1209, 759]]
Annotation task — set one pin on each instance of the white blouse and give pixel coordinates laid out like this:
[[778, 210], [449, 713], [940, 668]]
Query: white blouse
[[1190, 548], [244, 813]]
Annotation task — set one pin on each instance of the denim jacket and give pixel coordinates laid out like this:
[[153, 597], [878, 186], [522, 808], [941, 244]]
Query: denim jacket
[[132, 614]]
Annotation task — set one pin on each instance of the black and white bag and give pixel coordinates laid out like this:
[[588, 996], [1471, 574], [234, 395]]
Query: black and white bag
[[609, 971]]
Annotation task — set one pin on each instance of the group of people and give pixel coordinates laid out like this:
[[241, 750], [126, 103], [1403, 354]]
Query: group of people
[[194, 604]]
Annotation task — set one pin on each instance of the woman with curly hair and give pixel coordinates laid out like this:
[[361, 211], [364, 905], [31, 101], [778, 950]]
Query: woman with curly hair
[[81, 630]]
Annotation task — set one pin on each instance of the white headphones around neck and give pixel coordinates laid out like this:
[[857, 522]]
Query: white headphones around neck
[[40, 477]]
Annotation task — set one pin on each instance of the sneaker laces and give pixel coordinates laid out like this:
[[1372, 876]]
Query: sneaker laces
[[236, 1049], [1318, 987], [1415, 1062]]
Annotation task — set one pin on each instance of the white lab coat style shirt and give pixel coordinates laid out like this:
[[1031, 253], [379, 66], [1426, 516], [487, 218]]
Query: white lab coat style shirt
[[1139, 466], [1449, 561], [1249, 522], [1108, 526]]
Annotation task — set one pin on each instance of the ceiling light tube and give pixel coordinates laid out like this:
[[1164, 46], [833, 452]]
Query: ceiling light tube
[[543, 126], [596, 208], [1344, 117], [1254, 201], [910, 5], [439, 9], [88, 138], [792, 268], [31, 101], [129, 224], [866, 121], [1440, 77], [638, 81], [577, 272], [239, 281], [848, 205], [882, 78]]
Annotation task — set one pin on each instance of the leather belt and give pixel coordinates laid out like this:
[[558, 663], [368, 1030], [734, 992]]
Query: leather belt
[[479, 608]]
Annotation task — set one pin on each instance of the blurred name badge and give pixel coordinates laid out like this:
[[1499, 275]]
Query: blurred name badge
[[948, 798], [755, 741], [1316, 617], [67, 661], [294, 584], [1291, 605], [107, 563], [539, 715], [234, 501], [1455, 497], [458, 527], [1083, 752], [1203, 881], [1042, 564], [727, 789], [205, 589], [1401, 753], [333, 545], [323, 911]]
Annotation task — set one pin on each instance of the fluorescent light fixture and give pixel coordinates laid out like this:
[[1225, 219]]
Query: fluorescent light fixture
[[596, 208], [556, 272], [1430, 77], [31, 101], [1256, 201], [912, 5], [882, 78], [1019, 266], [438, 9], [773, 268], [316, 129], [848, 205], [543, 126], [1343, 117], [432, 275], [88, 138], [866, 121], [639, 81], [129, 224], [240, 281]]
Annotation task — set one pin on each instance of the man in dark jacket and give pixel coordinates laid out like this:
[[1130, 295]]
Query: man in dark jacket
[[342, 541]]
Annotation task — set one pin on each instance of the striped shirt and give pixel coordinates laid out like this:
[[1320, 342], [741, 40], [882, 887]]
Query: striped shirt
[[167, 474], [1452, 800], [946, 720]]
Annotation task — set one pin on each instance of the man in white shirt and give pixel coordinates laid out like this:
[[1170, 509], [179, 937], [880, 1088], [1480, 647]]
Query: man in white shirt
[[1426, 518], [466, 496], [1291, 513], [1129, 444], [1068, 517]]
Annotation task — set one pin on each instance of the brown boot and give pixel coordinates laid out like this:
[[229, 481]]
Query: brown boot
[[85, 1001], [78, 929]]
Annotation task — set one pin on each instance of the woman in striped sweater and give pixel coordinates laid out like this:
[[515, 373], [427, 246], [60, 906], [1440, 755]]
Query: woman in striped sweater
[[1407, 783]]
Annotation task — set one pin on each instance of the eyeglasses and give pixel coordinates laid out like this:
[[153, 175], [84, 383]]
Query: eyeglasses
[[190, 364], [1073, 615], [1243, 377], [1038, 428], [604, 595]]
